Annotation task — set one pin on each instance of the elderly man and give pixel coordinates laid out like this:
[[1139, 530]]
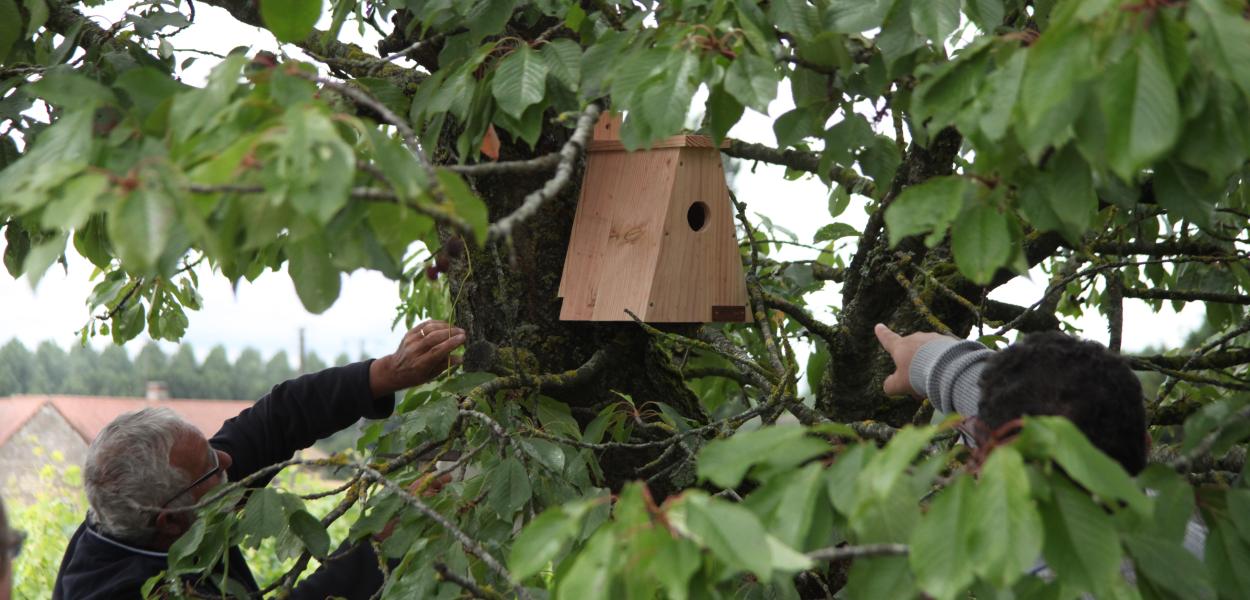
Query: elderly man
[[146, 466]]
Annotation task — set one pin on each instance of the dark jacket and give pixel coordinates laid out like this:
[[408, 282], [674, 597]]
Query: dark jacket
[[290, 417]]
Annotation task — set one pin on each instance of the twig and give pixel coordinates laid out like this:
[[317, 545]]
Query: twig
[[802, 161], [542, 163], [921, 307], [469, 544], [1186, 296], [867, 550], [502, 229], [468, 586], [798, 313]]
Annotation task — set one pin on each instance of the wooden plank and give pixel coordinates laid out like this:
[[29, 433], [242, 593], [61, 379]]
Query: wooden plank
[[614, 243], [608, 127], [677, 141], [699, 269], [632, 243]]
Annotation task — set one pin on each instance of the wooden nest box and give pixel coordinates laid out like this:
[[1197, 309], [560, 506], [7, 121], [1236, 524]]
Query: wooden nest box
[[654, 234]]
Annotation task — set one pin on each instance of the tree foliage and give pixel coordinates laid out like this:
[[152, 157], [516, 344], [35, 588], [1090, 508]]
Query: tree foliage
[[1097, 144]]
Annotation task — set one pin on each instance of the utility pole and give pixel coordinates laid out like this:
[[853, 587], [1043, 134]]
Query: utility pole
[[300, 361]]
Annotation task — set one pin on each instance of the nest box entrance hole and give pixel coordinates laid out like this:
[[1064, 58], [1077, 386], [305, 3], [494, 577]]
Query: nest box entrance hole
[[696, 216]]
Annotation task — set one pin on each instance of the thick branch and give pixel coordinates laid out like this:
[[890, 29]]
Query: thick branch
[[798, 313], [1186, 296], [1215, 360], [1167, 248], [801, 161], [867, 550]]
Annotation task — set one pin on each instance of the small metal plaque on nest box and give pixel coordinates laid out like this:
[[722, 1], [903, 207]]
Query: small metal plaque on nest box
[[653, 234]]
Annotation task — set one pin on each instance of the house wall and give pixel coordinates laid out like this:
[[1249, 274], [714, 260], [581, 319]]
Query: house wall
[[32, 447]]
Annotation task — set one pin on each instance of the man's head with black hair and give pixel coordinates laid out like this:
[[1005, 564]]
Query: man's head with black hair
[[1052, 373]]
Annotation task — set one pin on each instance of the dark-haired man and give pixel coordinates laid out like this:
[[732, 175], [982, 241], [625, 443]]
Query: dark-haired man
[[1043, 374]]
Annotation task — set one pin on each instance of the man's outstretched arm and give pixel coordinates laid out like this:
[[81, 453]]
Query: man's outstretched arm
[[944, 369], [296, 413]]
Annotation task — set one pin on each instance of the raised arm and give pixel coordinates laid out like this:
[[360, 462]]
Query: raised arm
[[944, 369], [296, 413]]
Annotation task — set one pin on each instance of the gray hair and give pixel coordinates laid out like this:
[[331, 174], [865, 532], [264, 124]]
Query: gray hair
[[128, 474]]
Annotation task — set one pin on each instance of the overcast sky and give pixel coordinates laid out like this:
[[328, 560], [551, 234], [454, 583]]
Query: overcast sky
[[267, 315]]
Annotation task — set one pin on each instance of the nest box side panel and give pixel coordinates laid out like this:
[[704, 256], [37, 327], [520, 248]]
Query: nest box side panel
[[632, 243], [614, 243], [698, 276]]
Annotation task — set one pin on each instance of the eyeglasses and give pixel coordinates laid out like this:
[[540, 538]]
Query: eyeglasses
[[13, 543], [209, 475]]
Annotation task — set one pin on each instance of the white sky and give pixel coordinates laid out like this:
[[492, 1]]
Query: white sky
[[267, 315]]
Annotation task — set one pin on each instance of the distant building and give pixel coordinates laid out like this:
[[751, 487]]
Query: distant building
[[31, 425]]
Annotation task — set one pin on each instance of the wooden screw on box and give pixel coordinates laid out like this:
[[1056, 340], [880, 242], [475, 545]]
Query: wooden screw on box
[[654, 234]]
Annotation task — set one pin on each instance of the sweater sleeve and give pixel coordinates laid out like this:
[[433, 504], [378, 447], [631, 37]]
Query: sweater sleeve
[[296, 413], [948, 372]]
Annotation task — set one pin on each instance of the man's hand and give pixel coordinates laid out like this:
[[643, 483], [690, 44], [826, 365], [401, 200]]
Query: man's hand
[[424, 352], [902, 349]]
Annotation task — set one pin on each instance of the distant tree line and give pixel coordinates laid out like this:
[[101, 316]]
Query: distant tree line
[[49, 369]]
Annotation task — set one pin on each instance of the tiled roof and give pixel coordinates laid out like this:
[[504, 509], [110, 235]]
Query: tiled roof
[[14, 412], [89, 414]]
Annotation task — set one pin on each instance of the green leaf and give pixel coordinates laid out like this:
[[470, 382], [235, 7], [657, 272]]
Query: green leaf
[[674, 563], [465, 203], [981, 241], [140, 226], [854, 16], [795, 16], [541, 540], [1008, 529], [987, 14], [311, 532], [835, 231], [935, 19], [839, 199], [1003, 90], [731, 532], [1082, 461], [263, 516], [726, 461], [791, 127], [557, 418], [520, 81], [1141, 110], [545, 452], [488, 17], [591, 570], [927, 207], [316, 167], [1185, 192], [186, 545], [509, 488], [290, 20], [1169, 566], [753, 81], [64, 87], [1062, 198], [1081, 544], [1227, 557], [316, 280], [564, 61], [1222, 33], [667, 96], [886, 467], [723, 112], [942, 545], [10, 27], [1058, 62]]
